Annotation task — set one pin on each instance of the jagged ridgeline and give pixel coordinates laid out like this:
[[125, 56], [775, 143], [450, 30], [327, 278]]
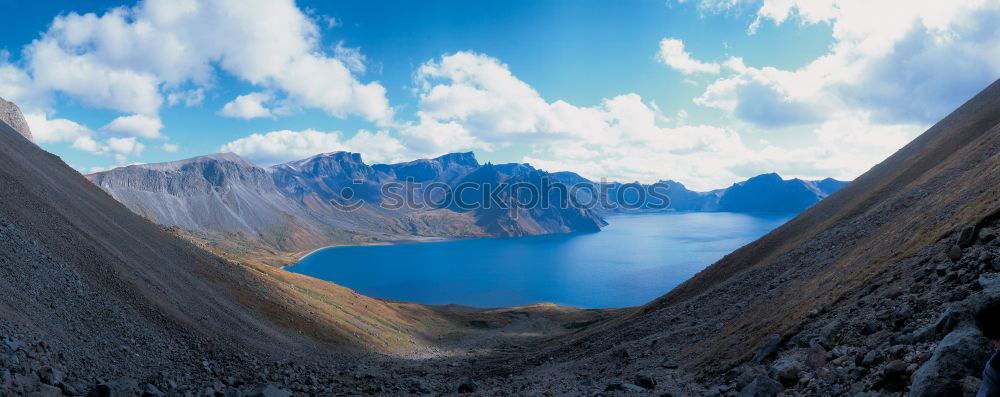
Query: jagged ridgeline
[[297, 206]]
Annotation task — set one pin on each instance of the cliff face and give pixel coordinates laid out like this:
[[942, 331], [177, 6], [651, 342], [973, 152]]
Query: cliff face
[[10, 113], [294, 206], [222, 195], [524, 207]]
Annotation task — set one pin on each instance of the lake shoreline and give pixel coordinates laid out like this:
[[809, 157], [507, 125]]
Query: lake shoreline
[[628, 264], [377, 244]]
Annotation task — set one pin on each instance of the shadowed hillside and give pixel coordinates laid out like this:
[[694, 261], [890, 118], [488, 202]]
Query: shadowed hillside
[[871, 289], [111, 301]]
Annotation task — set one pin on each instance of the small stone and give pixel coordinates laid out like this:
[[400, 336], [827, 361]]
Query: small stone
[[986, 257], [869, 327], [645, 382], [101, 390], [50, 376], [28, 381], [15, 345], [816, 357], [467, 387], [967, 237], [633, 388], [150, 390], [955, 253], [47, 391], [987, 234], [895, 368], [870, 359], [269, 390], [829, 331]]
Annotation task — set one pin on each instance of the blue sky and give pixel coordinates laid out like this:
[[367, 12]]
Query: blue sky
[[704, 92]]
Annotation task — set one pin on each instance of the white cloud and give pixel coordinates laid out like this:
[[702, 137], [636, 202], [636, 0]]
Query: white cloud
[[351, 57], [282, 146], [672, 54], [469, 101], [128, 58], [472, 101], [248, 106], [46, 130], [190, 98], [16, 86], [119, 148], [136, 125], [170, 147], [912, 68]]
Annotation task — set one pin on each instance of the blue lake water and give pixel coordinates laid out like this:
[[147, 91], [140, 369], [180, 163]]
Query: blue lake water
[[632, 261]]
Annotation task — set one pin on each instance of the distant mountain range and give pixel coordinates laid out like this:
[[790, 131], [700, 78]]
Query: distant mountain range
[[762, 193], [297, 206]]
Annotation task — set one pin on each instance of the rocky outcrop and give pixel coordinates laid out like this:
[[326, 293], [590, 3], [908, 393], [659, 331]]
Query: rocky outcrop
[[10, 113], [447, 169]]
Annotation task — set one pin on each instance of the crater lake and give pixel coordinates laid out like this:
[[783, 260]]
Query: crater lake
[[633, 260]]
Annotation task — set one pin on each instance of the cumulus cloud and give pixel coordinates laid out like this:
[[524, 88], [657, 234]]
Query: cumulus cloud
[[136, 125], [46, 130], [282, 146], [912, 68], [189, 98], [128, 58], [170, 147], [473, 101], [119, 148], [672, 54], [249, 106]]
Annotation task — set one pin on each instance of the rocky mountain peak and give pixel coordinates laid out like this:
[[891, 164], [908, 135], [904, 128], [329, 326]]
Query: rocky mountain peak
[[464, 159], [11, 114]]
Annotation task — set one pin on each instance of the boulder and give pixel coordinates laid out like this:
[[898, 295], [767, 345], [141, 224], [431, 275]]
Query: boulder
[[963, 351], [816, 357], [50, 376], [786, 371], [761, 386], [894, 376], [967, 237], [963, 313], [767, 349]]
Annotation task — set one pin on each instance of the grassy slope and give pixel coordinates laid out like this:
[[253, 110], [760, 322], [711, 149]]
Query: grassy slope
[[944, 180]]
